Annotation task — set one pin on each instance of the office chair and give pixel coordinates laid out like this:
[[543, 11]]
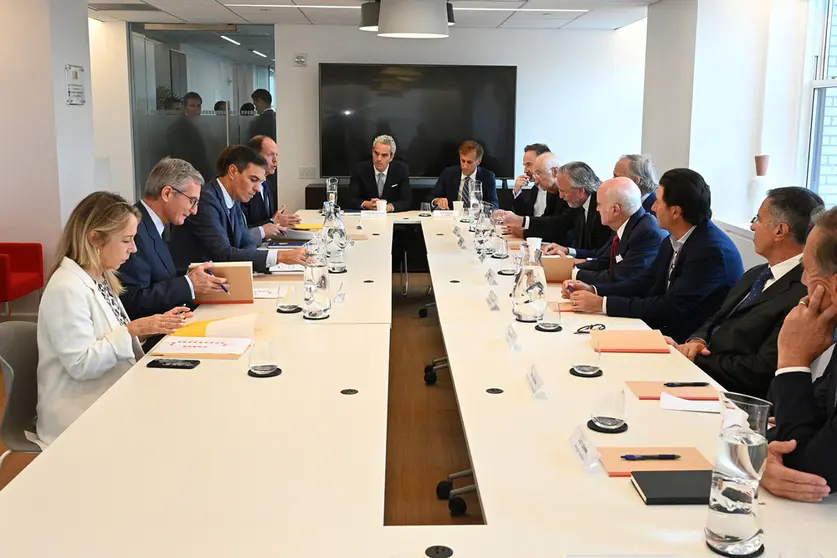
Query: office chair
[[446, 491], [19, 366]]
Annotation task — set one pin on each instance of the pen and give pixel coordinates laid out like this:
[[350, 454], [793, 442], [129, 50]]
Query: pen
[[226, 290], [686, 384], [652, 457]]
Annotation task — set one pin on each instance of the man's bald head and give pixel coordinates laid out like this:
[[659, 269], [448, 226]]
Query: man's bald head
[[546, 172], [618, 199]]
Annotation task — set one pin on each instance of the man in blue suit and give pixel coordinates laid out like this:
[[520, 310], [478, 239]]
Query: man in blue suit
[[152, 286], [456, 183], [218, 231], [636, 236], [691, 275], [640, 169]]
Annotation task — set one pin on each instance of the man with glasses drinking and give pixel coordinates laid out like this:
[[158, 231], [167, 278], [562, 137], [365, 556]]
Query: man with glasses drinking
[[151, 283]]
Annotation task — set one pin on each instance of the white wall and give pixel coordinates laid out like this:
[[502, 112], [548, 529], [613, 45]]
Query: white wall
[[211, 76], [579, 91]]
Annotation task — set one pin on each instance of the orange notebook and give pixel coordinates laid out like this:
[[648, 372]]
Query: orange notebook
[[690, 460], [557, 269], [650, 391], [629, 341], [239, 276]]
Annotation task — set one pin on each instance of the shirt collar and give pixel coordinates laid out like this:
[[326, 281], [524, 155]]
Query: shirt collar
[[384, 172], [678, 244], [158, 223], [586, 204], [784, 267], [621, 230], [228, 201], [473, 175]]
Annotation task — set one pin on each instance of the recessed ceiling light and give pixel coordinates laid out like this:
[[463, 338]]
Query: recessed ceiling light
[[230, 40]]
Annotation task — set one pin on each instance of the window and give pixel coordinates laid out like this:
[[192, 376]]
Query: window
[[822, 160]]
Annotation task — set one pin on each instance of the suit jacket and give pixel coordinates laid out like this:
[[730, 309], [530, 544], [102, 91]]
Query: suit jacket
[[256, 212], [706, 269], [743, 341], [637, 250], [648, 203], [524, 203], [152, 286], [447, 186], [209, 235], [556, 222], [264, 125], [806, 412], [363, 185], [588, 234], [82, 349], [185, 141]]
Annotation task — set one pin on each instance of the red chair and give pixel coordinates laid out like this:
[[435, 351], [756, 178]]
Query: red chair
[[21, 270]]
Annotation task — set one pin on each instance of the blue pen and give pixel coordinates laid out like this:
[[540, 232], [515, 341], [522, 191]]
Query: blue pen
[[652, 457], [570, 289], [226, 290]]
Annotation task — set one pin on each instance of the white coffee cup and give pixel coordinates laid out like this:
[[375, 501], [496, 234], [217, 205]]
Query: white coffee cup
[[458, 206], [381, 205], [534, 243]]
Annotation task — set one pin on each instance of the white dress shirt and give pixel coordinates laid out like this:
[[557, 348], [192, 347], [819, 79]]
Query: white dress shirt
[[781, 269], [462, 177], [540, 205], [677, 245], [158, 224], [272, 255], [82, 349], [585, 207]]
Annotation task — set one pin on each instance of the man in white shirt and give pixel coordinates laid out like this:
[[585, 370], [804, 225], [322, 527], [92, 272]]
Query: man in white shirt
[[530, 202]]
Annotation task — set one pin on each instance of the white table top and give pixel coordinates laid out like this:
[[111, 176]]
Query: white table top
[[211, 462]]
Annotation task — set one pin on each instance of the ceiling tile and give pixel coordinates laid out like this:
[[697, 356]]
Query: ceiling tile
[[609, 18], [283, 16], [332, 17], [143, 17], [482, 4], [565, 4], [327, 3], [480, 19], [535, 24]]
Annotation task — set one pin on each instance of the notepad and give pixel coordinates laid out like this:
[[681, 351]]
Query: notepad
[[557, 268], [203, 347], [671, 488], [239, 276], [690, 460], [629, 341], [297, 234], [651, 391]]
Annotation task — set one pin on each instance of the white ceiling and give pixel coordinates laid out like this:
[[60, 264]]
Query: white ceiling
[[600, 14]]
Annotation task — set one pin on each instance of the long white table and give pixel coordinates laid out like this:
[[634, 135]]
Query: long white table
[[213, 463]]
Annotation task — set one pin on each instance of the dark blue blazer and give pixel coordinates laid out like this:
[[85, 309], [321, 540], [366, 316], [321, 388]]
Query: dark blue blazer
[[448, 186], [152, 286], [706, 269], [256, 211], [638, 249], [648, 203], [209, 235]]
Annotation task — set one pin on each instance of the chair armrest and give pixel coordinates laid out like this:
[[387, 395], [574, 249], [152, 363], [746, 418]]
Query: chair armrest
[[25, 256]]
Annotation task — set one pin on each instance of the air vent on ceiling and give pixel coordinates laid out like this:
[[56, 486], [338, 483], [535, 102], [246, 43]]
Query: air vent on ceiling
[[122, 8]]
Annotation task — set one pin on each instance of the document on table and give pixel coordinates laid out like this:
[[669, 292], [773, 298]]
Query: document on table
[[266, 290], [670, 402], [287, 268], [205, 347]]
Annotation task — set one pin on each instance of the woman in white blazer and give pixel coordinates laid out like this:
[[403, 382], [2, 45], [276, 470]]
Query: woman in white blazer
[[85, 340]]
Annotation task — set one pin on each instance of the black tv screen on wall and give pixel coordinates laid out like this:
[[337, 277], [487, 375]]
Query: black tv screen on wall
[[429, 110]]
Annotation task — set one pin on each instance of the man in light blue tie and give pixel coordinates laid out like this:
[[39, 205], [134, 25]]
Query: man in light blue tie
[[382, 178]]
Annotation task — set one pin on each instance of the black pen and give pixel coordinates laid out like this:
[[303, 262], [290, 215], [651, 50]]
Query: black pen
[[686, 384], [652, 457], [223, 286]]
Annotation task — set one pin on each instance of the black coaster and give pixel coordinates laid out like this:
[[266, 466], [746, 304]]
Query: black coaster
[[368, 281], [293, 310], [316, 319], [758, 552], [494, 391], [425, 215], [577, 375], [271, 375], [438, 552], [539, 328], [506, 272], [376, 234], [595, 428], [464, 220], [499, 257], [454, 280], [338, 272], [348, 391], [440, 234], [524, 321]]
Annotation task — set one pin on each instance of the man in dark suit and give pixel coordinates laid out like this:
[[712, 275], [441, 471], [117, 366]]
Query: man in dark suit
[[636, 236], [218, 232], [265, 124], [264, 219], [530, 202], [805, 411], [184, 139], [380, 179], [577, 185], [691, 275], [639, 169], [456, 183], [152, 286], [737, 346]]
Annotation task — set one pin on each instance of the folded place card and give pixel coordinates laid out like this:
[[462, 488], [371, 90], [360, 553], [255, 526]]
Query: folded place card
[[511, 338], [536, 383], [491, 277], [456, 231], [239, 276], [371, 213], [266, 290], [461, 243], [690, 460], [439, 213], [584, 448], [651, 391], [629, 341], [287, 268], [493, 301]]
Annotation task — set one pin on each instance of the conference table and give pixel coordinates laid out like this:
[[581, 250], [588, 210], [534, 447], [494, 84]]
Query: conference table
[[210, 462]]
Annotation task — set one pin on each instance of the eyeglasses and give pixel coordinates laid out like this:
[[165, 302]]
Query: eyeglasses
[[588, 328], [190, 198]]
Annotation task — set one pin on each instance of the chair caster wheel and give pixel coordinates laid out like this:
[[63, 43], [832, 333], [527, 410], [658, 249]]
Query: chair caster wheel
[[457, 506], [430, 377], [423, 313], [443, 490]]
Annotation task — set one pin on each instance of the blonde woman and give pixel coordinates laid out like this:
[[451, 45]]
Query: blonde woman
[[86, 341]]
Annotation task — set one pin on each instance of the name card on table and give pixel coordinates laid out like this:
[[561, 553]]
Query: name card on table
[[511, 339], [481, 257], [373, 214], [456, 231], [461, 243], [584, 449], [491, 277], [536, 383], [493, 301], [440, 213]]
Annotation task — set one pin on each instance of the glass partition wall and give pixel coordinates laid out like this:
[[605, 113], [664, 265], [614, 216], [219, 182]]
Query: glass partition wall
[[191, 91]]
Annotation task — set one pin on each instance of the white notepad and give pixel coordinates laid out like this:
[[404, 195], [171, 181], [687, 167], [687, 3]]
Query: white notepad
[[287, 268], [206, 347]]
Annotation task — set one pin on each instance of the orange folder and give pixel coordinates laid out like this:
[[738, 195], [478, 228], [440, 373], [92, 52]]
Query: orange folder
[[239, 276], [650, 391], [690, 460], [557, 269], [629, 341]]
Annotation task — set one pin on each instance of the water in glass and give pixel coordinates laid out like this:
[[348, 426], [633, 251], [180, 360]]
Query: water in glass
[[317, 299], [331, 190], [335, 237], [529, 292]]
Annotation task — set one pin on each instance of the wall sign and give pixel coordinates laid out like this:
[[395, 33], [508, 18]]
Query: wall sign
[[73, 76]]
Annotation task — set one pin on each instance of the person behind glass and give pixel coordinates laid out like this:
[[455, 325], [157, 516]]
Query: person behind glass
[[265, 124], [691, 275], [264, 220], [218, 231], [802, 455], [220, 107], [531, 202], [152, 285], [184, 139], [737, 346], [382, 178], [455, 183], [86, 341], [247, 109], [640, 169]]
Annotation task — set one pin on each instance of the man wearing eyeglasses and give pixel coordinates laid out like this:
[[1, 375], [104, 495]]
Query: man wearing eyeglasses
[[151, 283]]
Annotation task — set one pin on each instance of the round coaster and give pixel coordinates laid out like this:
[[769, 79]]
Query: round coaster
[[338, 272], [500, 256], [506, 272], [525, 321], [466, 220], [438, 552], [598, 373], [348, 391], [316, 319], [758, 552], [269, 375], [595, 428], [291, 310], [376, 234], [454, 280], [539, 328], [494, 391], [368, 281]]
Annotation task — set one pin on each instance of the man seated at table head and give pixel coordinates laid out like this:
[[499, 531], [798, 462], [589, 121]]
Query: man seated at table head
[[382, 178], [456, 183], [217, 231], [802, 461], [639, 169], [690, 277], [152, 285], [737, 346], [264, 218], [636, 236]]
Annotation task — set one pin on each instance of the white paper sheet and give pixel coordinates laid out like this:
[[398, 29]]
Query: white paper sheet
[[197, 346], [262, 290], [285, 268], [670, 402]]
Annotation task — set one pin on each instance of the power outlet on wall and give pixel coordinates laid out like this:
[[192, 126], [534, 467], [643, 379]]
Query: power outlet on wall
[[306, 173]]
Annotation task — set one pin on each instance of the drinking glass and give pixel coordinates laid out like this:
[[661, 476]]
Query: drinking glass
[[291, 302], [263, 358], [609, 412], [426, 210], [551, 319], [501, 248], [317, 299], [331, 190]]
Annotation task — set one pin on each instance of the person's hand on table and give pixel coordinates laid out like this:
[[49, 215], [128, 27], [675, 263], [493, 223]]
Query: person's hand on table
[[272, 230], [291, 257], [286, 219], [573, 285], [159, 324], [370, 204], [513, 230], [512, 219], [692, 348], [390, 208], [203, 282], [553, 249], [585, 301], [788, 483], [807, 331], [441, 203], [521, 181]]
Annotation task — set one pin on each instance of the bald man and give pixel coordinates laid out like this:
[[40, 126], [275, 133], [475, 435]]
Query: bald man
[[634, 244]]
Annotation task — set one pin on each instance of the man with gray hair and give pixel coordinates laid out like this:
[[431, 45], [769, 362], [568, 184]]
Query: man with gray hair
[[152, 285], [380, 179], [635, 242], [639, 169]]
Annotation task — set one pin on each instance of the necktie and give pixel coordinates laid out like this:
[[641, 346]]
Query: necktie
[[231, 214], [466, 191], [266, 197], [614, 251], [756, 289], [381, 180]]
